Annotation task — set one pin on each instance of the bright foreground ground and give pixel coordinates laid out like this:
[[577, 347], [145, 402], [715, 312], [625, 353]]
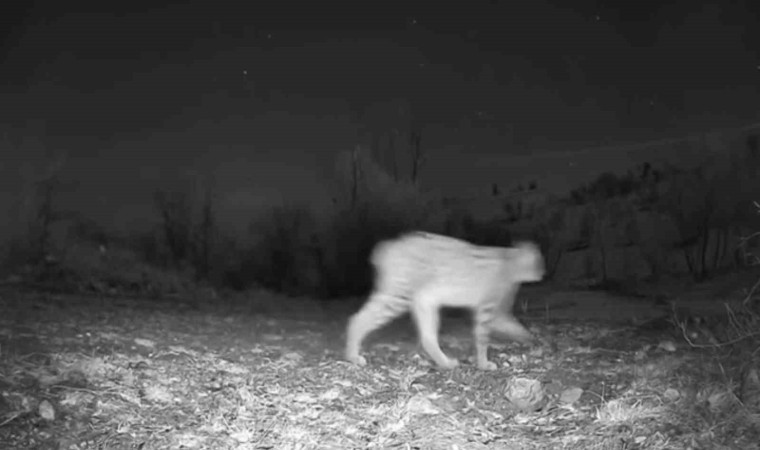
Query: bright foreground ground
[[265, 372]]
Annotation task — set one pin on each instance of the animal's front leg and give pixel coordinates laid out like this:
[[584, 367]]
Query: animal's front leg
[[481, 334], [509, 326], [426, 315]]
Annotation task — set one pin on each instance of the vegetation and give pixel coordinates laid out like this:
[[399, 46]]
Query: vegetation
[[199, 338]]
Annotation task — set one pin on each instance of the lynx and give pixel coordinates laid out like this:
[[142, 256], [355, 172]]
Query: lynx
[[422, 272]]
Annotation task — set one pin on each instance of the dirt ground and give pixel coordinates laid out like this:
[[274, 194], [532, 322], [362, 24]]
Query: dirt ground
[[259, 371]]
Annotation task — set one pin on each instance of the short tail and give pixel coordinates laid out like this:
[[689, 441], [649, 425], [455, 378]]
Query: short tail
[[379, 252]]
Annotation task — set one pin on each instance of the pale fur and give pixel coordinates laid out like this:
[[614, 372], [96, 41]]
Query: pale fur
[[422, 272]]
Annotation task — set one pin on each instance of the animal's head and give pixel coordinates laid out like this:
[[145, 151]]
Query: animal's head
[[528, 262]]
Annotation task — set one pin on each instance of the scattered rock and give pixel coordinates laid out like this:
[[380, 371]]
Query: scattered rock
[[46, 411], [145, 342], [750, 389], [667, 345], [526, 394], [571, 395], [718, 400], [420, 404], [672, 394]]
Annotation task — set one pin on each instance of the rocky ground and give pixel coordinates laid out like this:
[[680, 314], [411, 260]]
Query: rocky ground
[[260, 371]]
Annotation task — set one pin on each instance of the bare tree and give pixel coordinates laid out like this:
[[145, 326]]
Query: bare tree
[[391, 154], [46, 215], [417, 154], [205, 235], [597, 221], [395, 121], [356, 174], [175, 212], [47, 212], [702, 203], [552, 234]]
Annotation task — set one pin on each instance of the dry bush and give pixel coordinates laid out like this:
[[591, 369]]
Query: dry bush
[[279, 257]]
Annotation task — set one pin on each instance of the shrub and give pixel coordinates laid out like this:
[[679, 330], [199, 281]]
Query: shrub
[[278, 258]]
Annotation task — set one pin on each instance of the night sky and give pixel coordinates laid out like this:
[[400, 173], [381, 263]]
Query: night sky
[[261, 94]]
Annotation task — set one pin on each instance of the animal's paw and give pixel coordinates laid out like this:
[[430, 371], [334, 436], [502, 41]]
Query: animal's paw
[[357, 359], [487, 365], [448, 363]]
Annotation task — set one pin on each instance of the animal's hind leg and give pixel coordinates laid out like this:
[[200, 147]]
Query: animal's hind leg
[[380, 309], [488, 319]]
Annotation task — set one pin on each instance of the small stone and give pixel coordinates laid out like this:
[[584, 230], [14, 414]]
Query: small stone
[[672, 394], [526, 394], [571, 395], [46, 411]]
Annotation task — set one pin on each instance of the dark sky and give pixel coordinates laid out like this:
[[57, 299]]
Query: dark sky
[[149, 61], [271, 83]]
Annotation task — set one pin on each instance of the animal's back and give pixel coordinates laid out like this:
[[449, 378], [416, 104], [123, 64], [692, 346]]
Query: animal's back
[[417, 260]]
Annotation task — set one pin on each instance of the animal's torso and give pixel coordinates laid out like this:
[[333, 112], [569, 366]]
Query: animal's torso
[[464, 273]]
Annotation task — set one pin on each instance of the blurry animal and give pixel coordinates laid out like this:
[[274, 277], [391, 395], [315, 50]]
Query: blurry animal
[[421, 272]]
